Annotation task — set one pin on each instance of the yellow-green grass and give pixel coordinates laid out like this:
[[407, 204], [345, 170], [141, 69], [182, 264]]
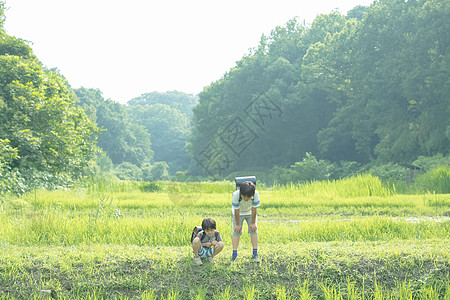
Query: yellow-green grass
[[349, 239], [320, 270], [172, 227], [274, 202]]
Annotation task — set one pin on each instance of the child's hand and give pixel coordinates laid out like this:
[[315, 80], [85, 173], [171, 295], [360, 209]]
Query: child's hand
[[207, 245], [238, 228], [253, 227], [214, 243]]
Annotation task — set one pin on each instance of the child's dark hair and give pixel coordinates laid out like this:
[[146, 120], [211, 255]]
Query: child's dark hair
[[247, 189], [208, 223]]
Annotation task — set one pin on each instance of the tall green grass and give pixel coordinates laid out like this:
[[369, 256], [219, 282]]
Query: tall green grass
[[358, 186], [110, 226], [347, 239], [99, 185], [365, 270]]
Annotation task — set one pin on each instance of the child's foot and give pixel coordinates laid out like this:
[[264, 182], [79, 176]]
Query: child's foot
[[198, 261], [212, 260], [256, 258], [233, 259]]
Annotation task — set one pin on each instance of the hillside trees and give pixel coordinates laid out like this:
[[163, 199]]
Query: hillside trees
[[121, 139], [166, 116], [397, 84], [179, 100], [53, 140], [169, 128], [291, 112], [372, 86], [152, 128]]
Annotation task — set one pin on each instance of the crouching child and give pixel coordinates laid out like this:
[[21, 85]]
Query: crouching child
[[208, 242]]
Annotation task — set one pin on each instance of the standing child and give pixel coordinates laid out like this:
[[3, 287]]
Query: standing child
[[208, 242], [245, 202]]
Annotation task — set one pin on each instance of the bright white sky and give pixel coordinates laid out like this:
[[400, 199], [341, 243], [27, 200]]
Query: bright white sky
[[127, 48]]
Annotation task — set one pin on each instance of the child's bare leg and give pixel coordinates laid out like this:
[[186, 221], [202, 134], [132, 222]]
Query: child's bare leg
[[235, 241], [196, 246], [254, 239], [217, 249]]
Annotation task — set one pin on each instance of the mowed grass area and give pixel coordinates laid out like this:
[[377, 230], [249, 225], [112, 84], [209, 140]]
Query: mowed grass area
[[349, 239]]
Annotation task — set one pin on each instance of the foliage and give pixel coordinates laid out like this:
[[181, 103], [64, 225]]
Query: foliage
[[310, 169], [429, 163], [7, 154], [128, 171], [52, 138], [159, 171], [169, 129], [157, 131], [2, 14], [177, 100], [434, 181], [369, 87], [388, 172], [121, 139]]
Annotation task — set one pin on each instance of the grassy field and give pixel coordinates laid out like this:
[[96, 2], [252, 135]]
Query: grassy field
[[348, 239]]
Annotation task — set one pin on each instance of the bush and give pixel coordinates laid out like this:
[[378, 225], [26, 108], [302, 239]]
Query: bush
[[128, 171], [389, 172], [429, 163], [346, 169], [311, 169], [159, 171], [436, 180], [150, 187]]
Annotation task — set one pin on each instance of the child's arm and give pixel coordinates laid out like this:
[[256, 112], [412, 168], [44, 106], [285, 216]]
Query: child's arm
[[207, 244]]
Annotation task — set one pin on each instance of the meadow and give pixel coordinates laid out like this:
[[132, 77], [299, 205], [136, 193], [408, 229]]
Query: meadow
[[349, 239]]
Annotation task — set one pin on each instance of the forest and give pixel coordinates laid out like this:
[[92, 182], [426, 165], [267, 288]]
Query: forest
[[366, 92]]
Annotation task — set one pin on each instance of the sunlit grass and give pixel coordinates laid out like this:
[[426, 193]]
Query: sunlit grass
[[290, 271], [358, 186], [349, 239]]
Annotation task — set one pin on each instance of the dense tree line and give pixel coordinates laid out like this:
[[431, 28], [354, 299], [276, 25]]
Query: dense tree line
[[369, 87], [366, 91], [45, 139], [52, 135], [167, 117], [150, 145]]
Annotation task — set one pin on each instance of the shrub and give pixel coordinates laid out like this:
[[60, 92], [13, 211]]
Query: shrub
[[436, 180], [310, 169], [429, 163], [128, 171], [150, 187], [389, 172]]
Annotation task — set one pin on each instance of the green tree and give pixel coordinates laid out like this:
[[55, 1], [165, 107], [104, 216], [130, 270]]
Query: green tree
[[357, 12], [169, 128], [121, 139], [267, 74], [2, 14], [159, 171], [40, 120], [181, 101]]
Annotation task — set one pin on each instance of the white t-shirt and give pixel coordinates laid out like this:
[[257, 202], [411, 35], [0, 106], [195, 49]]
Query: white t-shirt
[[244, 206]]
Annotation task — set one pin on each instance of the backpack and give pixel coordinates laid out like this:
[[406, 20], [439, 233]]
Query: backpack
[[197, 230], [240, 180]]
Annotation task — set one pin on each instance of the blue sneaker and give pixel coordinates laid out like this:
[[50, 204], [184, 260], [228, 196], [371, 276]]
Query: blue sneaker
[[233, 259]]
